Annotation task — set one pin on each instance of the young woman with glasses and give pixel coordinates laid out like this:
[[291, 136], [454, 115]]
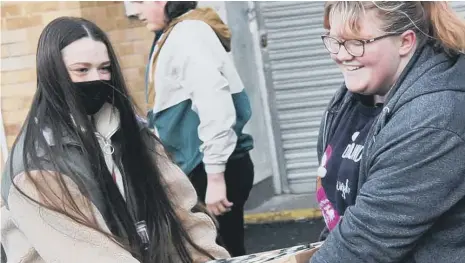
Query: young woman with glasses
[[391, 181]]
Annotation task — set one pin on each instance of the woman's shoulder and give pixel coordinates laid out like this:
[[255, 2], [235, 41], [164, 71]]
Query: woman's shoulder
[[194, 29], [189, 35]]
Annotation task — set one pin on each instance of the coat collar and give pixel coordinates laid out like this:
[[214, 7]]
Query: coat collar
[[106, 122]]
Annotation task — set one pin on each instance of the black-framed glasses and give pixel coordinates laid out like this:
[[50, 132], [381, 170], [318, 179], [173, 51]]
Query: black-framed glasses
[[355, 47]]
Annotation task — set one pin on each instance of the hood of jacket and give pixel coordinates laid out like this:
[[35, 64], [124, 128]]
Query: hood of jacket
[[211, 17], [427, 72]]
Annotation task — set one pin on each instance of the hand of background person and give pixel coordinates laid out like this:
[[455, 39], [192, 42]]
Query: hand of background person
[[215, 197]]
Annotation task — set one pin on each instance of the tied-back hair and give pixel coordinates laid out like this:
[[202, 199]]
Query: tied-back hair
[[175, 9], [433, 22], [57, 109]]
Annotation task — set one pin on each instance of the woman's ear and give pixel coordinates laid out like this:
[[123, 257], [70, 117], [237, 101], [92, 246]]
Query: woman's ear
[[408, 41]]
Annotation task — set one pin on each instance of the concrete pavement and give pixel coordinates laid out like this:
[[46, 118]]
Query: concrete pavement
[[283, 208], [283, 221]]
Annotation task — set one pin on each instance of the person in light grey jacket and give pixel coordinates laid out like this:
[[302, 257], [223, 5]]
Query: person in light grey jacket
[[406, 202]]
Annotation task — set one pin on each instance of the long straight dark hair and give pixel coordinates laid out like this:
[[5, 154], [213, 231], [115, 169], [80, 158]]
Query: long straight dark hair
[[56, 107]]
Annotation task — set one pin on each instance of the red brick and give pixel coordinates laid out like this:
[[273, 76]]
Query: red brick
[[12, 129], [138, 33], [92, 13], [18, 63], [14, 36], [16, 103], [124, 49], [106, 3], [3, 22], [47, 17], [137, 86], [21, 87], [39, 7], [116, 36], [131, 61], [105, 23], [20, 49], [11, 10], [131, 74], [66, 5], [10, 140], [139, 100], [23, 22], [85, 4], [116, 10], [143, 47], [33, 34], [142, 70], [14, 117], [5, 51]]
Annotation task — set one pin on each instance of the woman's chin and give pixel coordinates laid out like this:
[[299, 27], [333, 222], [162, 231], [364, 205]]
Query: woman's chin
[[356, 88]]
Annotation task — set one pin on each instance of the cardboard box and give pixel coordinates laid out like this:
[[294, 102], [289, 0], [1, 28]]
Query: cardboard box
[[295, 254], [299, 257]]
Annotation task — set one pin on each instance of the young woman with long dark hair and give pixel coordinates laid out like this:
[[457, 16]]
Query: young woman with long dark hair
[[85, 181]]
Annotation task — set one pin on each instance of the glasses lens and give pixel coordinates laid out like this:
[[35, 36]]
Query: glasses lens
[[331, 44], [354, 47]]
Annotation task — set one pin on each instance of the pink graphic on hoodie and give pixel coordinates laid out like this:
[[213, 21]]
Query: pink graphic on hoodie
[[330, 215]]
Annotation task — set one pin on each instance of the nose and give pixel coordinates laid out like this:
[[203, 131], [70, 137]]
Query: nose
[[343, 55], [93, 75]]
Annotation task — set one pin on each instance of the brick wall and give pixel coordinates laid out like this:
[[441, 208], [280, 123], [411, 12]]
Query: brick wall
[[130, 39], [21, 25]]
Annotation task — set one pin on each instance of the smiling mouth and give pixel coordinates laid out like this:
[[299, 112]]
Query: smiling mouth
[[353, 68]]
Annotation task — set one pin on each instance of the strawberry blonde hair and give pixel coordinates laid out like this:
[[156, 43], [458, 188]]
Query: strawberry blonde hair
[[434, 22]]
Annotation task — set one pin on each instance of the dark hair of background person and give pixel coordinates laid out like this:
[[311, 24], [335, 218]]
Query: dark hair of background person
[[175, 9]]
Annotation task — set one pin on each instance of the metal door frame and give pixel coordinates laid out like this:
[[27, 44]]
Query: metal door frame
[[276, 129]]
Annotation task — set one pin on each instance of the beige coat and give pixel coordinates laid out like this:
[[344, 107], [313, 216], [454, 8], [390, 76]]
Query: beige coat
[[33, 234]]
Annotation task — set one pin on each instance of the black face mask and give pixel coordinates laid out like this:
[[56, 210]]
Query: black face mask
[[94, 94]]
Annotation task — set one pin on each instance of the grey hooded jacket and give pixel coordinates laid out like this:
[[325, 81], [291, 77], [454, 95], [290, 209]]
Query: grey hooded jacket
[[410, 205]]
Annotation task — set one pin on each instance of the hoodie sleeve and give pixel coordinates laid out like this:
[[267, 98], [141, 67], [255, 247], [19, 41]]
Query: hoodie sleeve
[[201, 58], [416, 174]]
